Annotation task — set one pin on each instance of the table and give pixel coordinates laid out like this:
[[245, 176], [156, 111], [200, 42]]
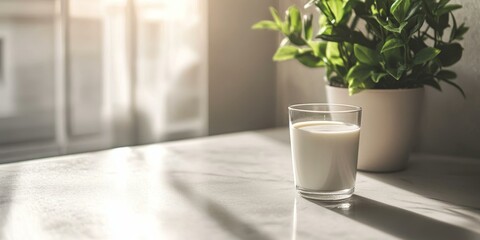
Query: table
[[235, 186]]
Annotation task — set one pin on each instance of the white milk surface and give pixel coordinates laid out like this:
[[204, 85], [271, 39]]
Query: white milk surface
[[324, 155]]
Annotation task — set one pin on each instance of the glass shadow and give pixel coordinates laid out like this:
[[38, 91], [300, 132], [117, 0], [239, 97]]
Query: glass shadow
[[455, 181], [396, 221]]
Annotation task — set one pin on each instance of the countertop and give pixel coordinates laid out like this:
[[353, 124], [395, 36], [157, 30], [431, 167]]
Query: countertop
[[234, 186]]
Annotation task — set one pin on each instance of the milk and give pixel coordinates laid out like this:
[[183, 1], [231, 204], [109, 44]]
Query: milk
[[324, 155]]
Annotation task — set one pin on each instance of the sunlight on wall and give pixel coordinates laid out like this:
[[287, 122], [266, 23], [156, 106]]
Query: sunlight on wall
[[171, 69]]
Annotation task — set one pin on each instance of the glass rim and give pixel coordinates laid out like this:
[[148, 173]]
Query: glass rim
[[353, 108]]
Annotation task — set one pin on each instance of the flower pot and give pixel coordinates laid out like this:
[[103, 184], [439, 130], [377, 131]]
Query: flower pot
[[389, 124]]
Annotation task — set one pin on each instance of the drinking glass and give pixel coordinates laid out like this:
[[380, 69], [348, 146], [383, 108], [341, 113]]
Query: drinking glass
[[324, 142]]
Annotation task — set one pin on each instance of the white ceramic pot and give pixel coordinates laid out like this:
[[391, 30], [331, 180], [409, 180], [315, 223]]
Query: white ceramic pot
[[389, 124]]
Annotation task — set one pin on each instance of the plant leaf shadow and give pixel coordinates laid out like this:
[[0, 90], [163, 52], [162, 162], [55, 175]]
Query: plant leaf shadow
[[398, 222]]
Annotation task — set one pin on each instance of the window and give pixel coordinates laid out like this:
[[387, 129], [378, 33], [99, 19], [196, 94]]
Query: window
[[81, 75]]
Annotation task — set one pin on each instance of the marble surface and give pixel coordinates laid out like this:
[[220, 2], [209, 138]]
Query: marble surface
[[236, 186]]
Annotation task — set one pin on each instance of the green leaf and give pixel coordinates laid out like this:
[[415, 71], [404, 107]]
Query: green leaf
[[366, 55], [343, 34], [390, 26], [322, 21], [399, 9], [296, 39], [442, 3], [402, 26], [316, 47], [396, 73], [325, 9], [333, 54], [383, 6], [442, 23], [376, 77], [358, 74], [416, 44], [307, 26], [392, 44], [425, 55], [266, 25], [429, 5], [447, 9], [285, 53], [325, 30], [433, 66], [323, 51], [275, 16], [337, 8], [454, 29], [393, 59], [431, 22], [451, 54], [310, 60], [418, 21], [462, 29], [359, 78], [353, 90], [380, 21], [358, 38], [294, 20], [446, 74], [415, 9]]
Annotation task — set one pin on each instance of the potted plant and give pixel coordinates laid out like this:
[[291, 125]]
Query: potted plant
[[378, 54]]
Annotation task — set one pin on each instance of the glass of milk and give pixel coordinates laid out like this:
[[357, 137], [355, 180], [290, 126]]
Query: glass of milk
[[324, 139]]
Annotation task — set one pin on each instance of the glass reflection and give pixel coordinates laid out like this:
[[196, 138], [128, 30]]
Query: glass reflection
[[309, 216]]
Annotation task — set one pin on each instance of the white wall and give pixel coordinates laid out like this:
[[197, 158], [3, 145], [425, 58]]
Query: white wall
[[450, 124], [241, 71], [296, 83]]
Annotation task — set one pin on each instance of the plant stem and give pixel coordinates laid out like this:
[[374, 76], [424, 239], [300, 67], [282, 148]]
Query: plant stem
[[342, 55], [430, 36], [425, 32], [436, 34], [354, 22]]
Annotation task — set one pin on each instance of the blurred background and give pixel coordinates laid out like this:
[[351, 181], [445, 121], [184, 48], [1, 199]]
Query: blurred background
[[83, 75]]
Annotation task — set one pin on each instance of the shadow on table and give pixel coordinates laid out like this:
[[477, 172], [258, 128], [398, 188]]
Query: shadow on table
[[224, 218], [396, 221], [441, 178], [8, 179]]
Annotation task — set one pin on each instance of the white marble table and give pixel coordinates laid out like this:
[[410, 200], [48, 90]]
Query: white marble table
[[236, 186]]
